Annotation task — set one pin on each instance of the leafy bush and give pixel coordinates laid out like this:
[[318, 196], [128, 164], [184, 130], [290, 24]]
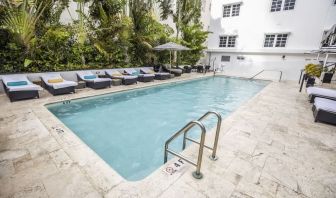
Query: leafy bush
[[32, 39], [194, 38], [11, 56], [313, 70]]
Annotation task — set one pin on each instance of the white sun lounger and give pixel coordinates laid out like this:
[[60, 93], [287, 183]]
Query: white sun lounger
[[56, 88], [93, 81], [324, 110], [321, 93], [18, 92]]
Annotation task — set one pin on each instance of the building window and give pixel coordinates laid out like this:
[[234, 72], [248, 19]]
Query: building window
[[289, 5], [231, 10], [240, 58], [281, 40], [232, 41], [222, 41], [225, 58], [275, 40], [227, 41], [235, 10], [276, 5], [269, 40], [227, 11]]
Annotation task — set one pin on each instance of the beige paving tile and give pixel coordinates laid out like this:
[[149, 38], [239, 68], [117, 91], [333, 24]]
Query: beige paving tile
[[69, 184], [269, 147]]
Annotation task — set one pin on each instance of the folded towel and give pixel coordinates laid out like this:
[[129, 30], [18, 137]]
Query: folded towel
[[17, 83], [117, 74], [55, 80], [89, 77]]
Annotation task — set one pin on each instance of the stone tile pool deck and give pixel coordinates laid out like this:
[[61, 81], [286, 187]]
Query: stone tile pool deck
[[269, 147]]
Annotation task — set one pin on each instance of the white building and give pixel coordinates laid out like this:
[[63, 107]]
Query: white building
[[251, 35]]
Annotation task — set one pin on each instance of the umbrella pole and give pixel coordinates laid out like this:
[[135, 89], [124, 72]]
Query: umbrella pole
[[170, 58], [170, 53]]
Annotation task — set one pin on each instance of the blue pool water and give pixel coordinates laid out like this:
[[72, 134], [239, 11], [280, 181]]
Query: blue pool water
[[128, 129]]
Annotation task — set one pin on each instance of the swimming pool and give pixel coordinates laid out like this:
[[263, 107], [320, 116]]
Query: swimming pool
[[128, 129]]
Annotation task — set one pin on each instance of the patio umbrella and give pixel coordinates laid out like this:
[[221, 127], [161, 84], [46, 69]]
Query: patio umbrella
[[171, 47]]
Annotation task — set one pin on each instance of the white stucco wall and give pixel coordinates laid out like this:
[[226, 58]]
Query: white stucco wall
[[305, 25]]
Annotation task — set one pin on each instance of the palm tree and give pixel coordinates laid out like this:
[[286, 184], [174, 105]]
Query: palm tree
[[21, 18], [185, 12]]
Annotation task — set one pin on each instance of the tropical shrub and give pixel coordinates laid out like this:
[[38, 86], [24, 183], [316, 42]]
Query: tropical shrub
[[193, 37], [114, 33], [313, 69], [111, 31], [11, 57]]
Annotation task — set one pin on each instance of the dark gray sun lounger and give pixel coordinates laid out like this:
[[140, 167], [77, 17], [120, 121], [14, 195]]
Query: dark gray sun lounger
[[157, 76], [324, 110], [93, 81], [141, 77], [126, 79], [18, 87], [56, 85]]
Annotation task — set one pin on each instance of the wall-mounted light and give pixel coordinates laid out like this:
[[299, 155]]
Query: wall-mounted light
[[283, 57]]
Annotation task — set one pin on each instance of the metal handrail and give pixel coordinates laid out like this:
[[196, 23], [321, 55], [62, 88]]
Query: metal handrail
[[214, 148], [267, 70], [197, 174]]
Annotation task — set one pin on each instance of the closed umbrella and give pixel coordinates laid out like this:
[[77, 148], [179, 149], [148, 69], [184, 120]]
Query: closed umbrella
[[171, 47]]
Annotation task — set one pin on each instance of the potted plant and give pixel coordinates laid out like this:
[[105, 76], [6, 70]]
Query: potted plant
[[312, 71]]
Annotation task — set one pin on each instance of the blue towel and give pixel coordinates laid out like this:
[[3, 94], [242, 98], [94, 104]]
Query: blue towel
[[89, 77], [17, 83]]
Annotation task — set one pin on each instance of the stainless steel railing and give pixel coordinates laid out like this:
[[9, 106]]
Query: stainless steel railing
[[268, 70], [197, 174], [214, 148]]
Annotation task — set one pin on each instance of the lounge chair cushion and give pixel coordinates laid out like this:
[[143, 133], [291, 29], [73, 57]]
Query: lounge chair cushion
[[131, 71], [19, 77], [134, 72], [56, 81], [146, 75], [147, 71], [114, 73], [82, 75], [325, 105], [330, 93], [150, 71]]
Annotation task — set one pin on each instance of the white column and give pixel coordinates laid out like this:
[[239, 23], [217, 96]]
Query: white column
[[325, 60]]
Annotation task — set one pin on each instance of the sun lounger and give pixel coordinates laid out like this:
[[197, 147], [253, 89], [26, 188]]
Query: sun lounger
[[93, 81], [56, 85], [321, 93], [324, 110], [141, 77], [126, 79], [176, 72], [158, 76], [18, 87]]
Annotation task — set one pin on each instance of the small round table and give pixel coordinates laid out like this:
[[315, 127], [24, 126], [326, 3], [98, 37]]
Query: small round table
[[116, 82]]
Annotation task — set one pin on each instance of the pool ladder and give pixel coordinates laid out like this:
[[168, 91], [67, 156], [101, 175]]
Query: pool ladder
[[197, 174]]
